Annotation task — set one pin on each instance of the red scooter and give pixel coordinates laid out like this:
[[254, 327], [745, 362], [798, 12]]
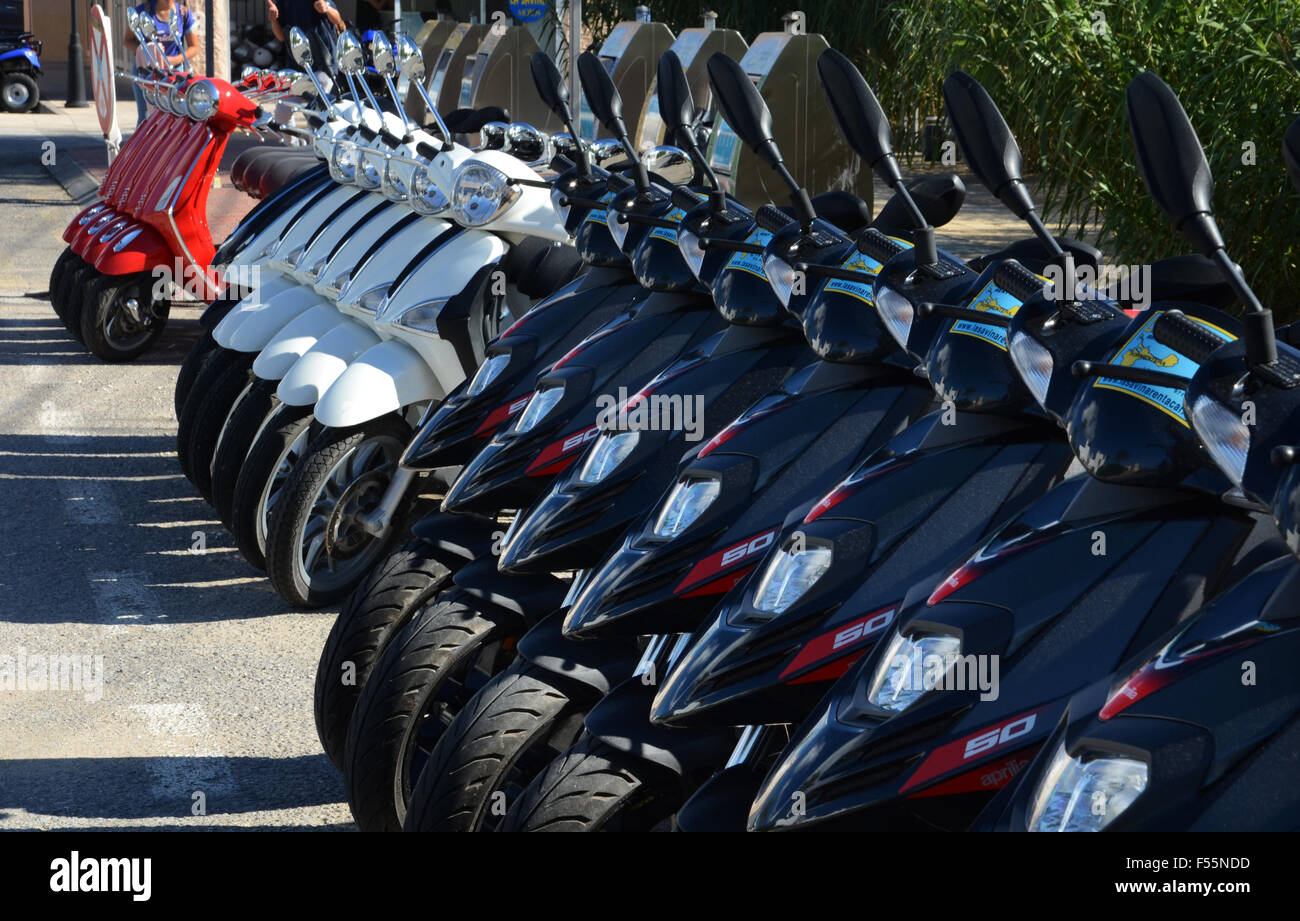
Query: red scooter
[[147, 237]]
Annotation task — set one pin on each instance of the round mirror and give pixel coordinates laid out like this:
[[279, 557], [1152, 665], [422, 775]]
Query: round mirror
[[607, 150], [381, 52], [410, 63], [671, 163], [352, 57], [300, 48], [526, 143], [493, 135]]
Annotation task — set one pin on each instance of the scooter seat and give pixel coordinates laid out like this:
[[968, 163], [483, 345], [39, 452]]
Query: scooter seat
[[1192, 278], [250, 171], [283, 172], [468, 121]]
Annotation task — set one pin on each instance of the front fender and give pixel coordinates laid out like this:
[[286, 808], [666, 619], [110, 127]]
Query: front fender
[[292, 342], [250, 330], [599, 666], [385, 379], [144, 251], [75, 226], [460, 538], [620, 720], [529, 597], [313, 374]]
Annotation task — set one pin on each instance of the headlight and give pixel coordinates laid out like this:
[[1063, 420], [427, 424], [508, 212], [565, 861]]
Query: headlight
[[610, 450], [788, 577], [686, 503], [1085, 794], [909, 666], [480, 194], [343, 165], [542, 402], [487, 372], [897, 312], [176, 99], [1224, 435], [692, 252], [370, 176], [617, 229], [781, 276], [426, 197], [1034, 364], [558, 196], [396, 183], [201, 100], [423, 318], [370, 301]]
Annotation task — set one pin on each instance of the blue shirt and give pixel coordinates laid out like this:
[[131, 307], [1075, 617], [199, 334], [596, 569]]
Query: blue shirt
[[188, 25]]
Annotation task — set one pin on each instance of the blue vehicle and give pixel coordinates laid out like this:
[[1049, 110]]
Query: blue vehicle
[[20, 67]]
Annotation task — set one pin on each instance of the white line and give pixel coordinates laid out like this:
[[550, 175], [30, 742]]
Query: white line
[[124, 601], [191, 763], [90, 502]]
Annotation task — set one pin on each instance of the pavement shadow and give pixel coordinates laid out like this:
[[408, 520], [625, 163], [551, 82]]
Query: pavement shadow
[[48, 342], [154, 788]]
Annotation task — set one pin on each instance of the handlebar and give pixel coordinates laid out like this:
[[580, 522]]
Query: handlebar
[[1185, 336], [771, 218]]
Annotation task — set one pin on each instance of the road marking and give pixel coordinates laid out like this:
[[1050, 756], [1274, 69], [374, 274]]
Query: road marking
[[90, 502], [124, 601], [191, 763]]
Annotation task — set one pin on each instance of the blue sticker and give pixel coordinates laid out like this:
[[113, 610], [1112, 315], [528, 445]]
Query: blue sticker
[[751, 262], [528, 10], [597, 215], [860, 262], [666, 233], [991, 299], [1143, 351]]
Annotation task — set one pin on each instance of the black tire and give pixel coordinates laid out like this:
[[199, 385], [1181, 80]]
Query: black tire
[[284, 437], [376, 611], [58, 275], [215, 410], [504, 738], [19, 93], [593, 787], [80, 279], [243, 426], [196, 358], [213, 371], [311, 526], [108, 328], [428, 671]]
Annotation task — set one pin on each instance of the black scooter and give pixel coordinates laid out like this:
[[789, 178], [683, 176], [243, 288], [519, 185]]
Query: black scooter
[[1200, 733], [980, 665]]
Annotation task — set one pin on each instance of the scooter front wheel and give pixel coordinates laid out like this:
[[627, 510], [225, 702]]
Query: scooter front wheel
[[120, 318], [70, 297], [377, 610], [279, 444], [594, 787], [317, 550], [66, 262]]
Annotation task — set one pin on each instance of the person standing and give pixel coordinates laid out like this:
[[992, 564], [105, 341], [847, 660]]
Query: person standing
[[161, 12], [321, 22]]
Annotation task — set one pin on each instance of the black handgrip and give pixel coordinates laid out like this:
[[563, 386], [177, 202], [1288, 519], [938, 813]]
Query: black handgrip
[[955, 312], [1185, 336], [685, 199], [771, 218], [368, 134], [618, 182]]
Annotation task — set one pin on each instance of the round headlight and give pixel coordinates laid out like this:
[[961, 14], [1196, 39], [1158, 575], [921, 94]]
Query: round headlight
[[426, 197], [686, 503], [370, 172], [789, 575], [343, 165], [481, 194], [1033, 363], [202, 99], [911, 666], [542, 402], [396, 185], [176, 99], [1085, 794], [610, 450]]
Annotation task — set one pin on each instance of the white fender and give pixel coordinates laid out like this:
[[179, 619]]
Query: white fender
[[292, 342], [314, 373], [345, 272], [259, 248], [324, 211], [255, 328], [385, 379]]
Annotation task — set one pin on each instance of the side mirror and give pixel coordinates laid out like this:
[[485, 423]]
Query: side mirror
[[410, 63], [986, 141], [550, 85], [859, 114], [606, 104], [300, 48], [381, 52], [1171, 160], [676, 104], [743, 107], [351, 56], [1291, 152]]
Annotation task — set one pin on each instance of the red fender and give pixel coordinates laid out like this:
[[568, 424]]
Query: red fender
[[74, 226], [86, 236], [93, 248], [146, 251]]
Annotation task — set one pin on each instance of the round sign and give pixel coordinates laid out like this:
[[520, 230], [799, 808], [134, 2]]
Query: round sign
[[528, 10]]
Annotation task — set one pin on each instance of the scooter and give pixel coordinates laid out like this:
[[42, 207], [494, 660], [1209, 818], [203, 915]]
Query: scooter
[[1200, 732], [151, 221], [1061, 594], [831, 584], [20, 68]]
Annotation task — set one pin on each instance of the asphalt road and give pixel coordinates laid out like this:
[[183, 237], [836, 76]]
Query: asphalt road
[[110, 559]]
